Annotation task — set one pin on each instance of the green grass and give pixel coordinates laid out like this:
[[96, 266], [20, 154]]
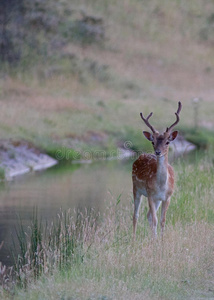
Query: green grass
[[203, 138], [87, 257], [62, 154], [2, 174]]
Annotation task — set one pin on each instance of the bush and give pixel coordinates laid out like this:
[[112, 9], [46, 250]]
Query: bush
[[34, 30], [203, 138]]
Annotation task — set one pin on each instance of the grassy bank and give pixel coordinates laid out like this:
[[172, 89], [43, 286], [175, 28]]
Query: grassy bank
[[87, 95], [95, 258]]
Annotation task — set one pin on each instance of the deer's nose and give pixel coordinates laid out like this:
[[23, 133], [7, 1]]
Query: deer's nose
[[157, 152]]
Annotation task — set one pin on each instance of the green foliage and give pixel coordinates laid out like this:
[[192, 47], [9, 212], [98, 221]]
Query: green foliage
[[134, 139], [36, 248], [194, 182], [206, 33], [202, 137], [2, 174], [86, 30], [30, 251], [62, 154]]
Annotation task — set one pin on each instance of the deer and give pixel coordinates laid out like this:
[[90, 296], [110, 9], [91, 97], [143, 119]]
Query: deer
[[153, 176]]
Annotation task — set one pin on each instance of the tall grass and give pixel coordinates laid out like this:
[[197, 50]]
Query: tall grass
[[44, 247], [86, 257]]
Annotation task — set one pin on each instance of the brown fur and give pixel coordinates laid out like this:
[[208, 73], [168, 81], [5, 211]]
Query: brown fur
[[145, 169]]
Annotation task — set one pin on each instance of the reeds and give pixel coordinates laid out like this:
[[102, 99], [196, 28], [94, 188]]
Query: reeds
[[44, 247]]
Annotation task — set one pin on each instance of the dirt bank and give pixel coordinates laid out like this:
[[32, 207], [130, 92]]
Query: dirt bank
[[20, 157]]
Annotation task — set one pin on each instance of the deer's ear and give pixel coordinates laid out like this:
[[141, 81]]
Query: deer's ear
[[173, 135], [148, 135]]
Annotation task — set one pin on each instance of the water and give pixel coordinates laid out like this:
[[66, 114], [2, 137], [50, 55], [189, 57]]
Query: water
[[61, 187]]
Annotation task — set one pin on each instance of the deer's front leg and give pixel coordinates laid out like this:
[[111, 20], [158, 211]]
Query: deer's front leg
[[165, 205], [152, 216]]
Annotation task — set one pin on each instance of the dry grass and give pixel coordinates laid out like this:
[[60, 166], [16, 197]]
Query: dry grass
[[108, 265], [180, 267]]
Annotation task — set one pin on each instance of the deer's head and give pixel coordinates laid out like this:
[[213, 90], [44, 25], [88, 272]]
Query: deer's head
[[161, 141]]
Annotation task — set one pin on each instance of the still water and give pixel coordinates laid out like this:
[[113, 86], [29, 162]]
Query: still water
[[61, 187]]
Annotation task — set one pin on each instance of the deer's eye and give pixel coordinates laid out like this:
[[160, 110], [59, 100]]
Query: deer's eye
[[167, 143]]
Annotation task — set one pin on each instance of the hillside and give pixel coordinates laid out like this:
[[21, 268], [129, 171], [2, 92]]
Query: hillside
[[84, 70]]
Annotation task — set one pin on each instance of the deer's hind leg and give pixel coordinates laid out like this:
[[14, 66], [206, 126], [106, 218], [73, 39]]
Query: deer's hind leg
[[137, 203], [165, 205], [152, 214]]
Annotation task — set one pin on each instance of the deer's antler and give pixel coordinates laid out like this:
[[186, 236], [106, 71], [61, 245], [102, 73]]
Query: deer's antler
[[147, 121], [177, 117]]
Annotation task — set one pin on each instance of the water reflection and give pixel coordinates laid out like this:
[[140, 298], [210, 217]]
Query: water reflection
[[75, 187]]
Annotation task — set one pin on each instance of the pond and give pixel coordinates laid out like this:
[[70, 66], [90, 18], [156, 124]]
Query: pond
[[60, 187], [63, 187]]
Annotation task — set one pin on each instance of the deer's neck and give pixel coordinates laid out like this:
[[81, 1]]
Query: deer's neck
[[162, 170]]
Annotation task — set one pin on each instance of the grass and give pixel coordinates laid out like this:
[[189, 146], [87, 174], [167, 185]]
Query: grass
[[202, 137], [89, 97], [153, 55], [62, 154], [2, 174], [88, 258]]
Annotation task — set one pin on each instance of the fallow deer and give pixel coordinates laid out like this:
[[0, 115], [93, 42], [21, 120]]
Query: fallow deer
[[153, 176]]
